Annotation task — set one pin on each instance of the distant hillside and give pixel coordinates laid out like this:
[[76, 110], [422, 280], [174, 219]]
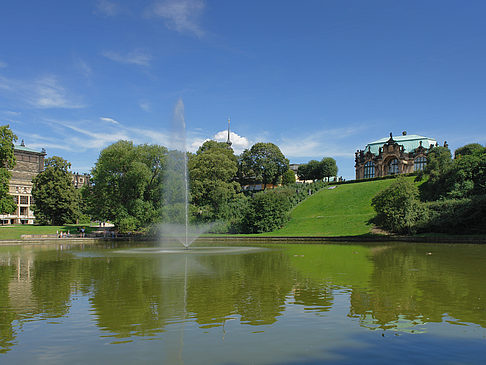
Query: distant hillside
[[342, 211]]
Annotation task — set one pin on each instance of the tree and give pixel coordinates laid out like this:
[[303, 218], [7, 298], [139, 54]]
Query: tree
[[288, 177], [469, 149], [317, 170], [439, 162], [398, 207], [212, 170], [56, 199], [127, 185], [268, 210], [7, 161], [263, 163], [328, 167]]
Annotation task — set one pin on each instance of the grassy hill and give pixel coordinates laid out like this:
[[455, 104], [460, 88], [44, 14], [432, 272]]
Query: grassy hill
[[342, 211]]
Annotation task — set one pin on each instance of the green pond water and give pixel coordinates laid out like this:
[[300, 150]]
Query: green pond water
[[263, 304]]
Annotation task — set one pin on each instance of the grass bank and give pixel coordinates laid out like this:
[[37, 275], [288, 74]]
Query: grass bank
[[344, 210], [14, 232]]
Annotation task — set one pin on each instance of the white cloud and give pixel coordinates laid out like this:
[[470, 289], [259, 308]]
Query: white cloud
[[109, 120], [83, 68], [45, 92], [92, 135], [327, 143], [11, 113], [49, 93], [238, 143], [180, 15], [145, 106], [3, 64], [108, 8], [136, 57]]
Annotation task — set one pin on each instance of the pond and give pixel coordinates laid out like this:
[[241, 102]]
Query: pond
[[262, 304]]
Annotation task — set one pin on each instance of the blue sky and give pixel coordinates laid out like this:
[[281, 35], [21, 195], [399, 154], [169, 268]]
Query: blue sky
[[317, 78]]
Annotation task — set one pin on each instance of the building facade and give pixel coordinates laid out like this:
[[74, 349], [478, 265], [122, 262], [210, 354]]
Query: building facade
[[394, 155], [29, 163], [80, 180]]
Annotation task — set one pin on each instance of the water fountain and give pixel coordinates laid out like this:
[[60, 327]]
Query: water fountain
[[176, 229]]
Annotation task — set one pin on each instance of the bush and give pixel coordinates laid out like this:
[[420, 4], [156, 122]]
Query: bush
[[127, 224], [398, 208], [267, 210], [457, 216]]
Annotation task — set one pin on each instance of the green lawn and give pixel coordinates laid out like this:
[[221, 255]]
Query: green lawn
[[14, 232], [342, 211]]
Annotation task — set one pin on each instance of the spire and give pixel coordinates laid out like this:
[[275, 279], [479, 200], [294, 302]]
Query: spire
[[228, 142]]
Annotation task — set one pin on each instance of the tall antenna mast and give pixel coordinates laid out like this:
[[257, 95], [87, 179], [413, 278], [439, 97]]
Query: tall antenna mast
[[228, 142]]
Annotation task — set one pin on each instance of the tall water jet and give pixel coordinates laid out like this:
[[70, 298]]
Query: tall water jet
[[176, 183]]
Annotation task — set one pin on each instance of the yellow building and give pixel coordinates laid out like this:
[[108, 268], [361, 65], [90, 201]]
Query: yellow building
[[29, 163]]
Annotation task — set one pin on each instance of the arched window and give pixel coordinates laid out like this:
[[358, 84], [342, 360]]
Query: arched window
[[369, 170], [419, 163], [393, 167]]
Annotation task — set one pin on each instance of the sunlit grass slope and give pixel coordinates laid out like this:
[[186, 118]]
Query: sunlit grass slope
[[342, 211]]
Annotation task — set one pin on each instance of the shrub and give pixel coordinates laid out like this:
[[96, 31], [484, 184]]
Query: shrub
[[398, 208], [457, 216], [267, 210]]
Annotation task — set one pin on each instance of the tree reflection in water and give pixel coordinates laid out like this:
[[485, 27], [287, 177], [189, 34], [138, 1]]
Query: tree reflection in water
[[398, 287]]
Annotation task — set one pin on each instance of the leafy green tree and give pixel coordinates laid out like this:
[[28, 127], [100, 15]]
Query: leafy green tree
[[288, 177], [268, 210], [127, 185], [212, 170], [303, 172], [469, 149], [439, 162], [263, 163], [56, 199], [328, 167], [455, 179], [317, 170], [398, 207], [7, 161]]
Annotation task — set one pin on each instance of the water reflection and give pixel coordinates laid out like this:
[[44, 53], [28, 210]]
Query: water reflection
[[399, 287]]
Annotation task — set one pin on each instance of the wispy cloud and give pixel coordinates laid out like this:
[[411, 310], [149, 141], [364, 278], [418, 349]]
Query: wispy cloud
[[107, 8], [145, 106], [11, 113], [44, 92], [49, 93], [136, 57], [109, 120], [85, 135], [326, 143], [83, 68], [180, 15]]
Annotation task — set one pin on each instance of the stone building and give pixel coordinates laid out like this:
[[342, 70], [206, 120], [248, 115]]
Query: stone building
[[80, 180], [394, 155], [29, 163]]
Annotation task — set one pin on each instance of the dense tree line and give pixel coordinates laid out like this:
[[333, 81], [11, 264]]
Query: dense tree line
[[318, 170], [450, 198], [137, 187]]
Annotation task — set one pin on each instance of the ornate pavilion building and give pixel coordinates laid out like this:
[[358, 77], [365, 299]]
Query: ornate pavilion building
[[394, 155]]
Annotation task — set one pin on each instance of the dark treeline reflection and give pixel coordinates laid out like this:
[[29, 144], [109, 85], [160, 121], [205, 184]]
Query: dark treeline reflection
[[141, 294]]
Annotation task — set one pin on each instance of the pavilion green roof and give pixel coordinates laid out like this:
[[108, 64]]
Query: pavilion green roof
[[410, 142], [26, 149]]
